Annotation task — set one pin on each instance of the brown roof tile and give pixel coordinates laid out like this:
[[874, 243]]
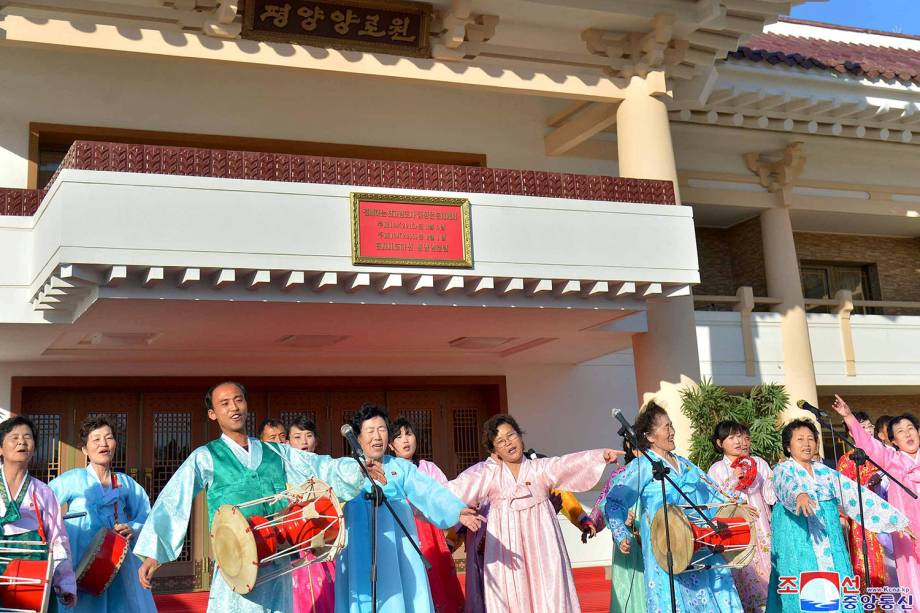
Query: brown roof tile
[[868, 61]]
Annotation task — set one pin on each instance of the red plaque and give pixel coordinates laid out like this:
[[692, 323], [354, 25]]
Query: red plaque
[[411, 231]]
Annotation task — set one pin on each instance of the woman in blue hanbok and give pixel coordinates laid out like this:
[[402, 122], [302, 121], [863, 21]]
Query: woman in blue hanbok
[[709, 590], [402, 582], [807, 535], [110, 500]]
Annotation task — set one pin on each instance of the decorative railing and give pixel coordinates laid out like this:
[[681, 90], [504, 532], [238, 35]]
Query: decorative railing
[[220, 163]]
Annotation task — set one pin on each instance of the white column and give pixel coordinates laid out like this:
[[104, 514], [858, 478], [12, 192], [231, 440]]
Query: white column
[[668, 350]]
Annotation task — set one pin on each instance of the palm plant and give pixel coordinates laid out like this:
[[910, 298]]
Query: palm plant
[[759, 409]]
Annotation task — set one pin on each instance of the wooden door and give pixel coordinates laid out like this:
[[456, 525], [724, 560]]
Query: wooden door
[[173, 427], [52, 413]]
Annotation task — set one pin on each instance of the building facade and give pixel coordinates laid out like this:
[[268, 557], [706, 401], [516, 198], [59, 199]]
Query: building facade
[[655, 194]]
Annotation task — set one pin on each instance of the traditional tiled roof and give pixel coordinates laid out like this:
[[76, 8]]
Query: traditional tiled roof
[[218, 163], [855, 59]]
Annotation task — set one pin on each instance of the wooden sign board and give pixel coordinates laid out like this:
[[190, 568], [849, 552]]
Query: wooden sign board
[[398, 28]]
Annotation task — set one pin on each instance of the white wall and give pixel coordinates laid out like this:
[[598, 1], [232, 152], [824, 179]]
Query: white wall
[[721, 348], [69, 87]]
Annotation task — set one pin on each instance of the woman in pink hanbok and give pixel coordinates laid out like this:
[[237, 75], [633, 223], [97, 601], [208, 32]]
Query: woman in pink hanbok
[[903, 462], [526, 566], [314, 584], [734, 475]]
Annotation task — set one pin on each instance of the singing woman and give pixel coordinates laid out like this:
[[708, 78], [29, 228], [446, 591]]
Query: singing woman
[[711, 590], [112, 501]]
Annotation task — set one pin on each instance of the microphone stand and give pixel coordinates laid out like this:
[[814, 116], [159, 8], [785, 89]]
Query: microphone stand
[[859, 459], [660, 473], [377, 497]]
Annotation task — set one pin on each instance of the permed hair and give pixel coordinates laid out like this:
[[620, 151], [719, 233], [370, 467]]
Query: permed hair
[[368, 411], [490, 429], [790, 428]]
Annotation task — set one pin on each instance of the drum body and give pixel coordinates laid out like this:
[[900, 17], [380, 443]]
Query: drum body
[[243, 546], [693, 541], [25, 585], [102, 561]]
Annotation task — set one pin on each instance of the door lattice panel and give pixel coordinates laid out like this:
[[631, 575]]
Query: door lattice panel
[[172, 434], [466, 437], [46, 463]]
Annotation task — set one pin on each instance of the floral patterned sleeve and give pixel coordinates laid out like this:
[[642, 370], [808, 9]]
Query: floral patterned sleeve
[[788, 485], [625, 490]]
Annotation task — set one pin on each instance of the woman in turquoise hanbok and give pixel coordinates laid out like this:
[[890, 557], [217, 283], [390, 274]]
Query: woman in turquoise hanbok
[[807, 535], [711, 590], [109, 500]]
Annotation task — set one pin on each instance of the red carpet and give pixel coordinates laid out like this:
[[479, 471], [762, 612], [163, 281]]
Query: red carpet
[[593, 592]]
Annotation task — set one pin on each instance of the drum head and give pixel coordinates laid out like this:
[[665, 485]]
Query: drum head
[[234, 549], [90, 554], [738, 558], [681, 539]]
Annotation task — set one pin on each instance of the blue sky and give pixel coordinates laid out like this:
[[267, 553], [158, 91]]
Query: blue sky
[[887, 15]]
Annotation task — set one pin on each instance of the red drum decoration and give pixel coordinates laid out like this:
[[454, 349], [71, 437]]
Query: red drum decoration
[[748, 471]]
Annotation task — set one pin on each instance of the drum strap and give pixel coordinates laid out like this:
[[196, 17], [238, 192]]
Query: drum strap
[[114, 487], [38, 518]]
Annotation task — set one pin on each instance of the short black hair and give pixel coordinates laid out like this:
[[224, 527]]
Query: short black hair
[[397, 426], [303, 423], [891, 422], [7, 425], [645, 423], [881, 424], [791, 427], [490, 429], [861, 416], [91, 424], [208, 404], [271, 422], [368, 411], [723, 430]]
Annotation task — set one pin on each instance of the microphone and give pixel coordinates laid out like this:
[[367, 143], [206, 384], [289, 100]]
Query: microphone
[[349, 435], [618, 415], [807, 406]]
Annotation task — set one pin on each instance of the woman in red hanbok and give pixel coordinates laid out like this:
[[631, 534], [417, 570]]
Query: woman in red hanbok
[[442, 576], [870, 477]]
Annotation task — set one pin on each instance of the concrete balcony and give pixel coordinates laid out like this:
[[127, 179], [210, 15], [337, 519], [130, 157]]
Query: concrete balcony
[[743, 347]]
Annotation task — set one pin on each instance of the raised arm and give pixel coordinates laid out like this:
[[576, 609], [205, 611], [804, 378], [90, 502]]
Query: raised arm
[[343, 475], [163, 533], [437, 503], [886, 457], [880, 515], [575, 472]]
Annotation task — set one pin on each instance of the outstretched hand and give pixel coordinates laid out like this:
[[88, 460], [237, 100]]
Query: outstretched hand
[[471, 519], [611, 455], [841, 407], [804, 505]]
